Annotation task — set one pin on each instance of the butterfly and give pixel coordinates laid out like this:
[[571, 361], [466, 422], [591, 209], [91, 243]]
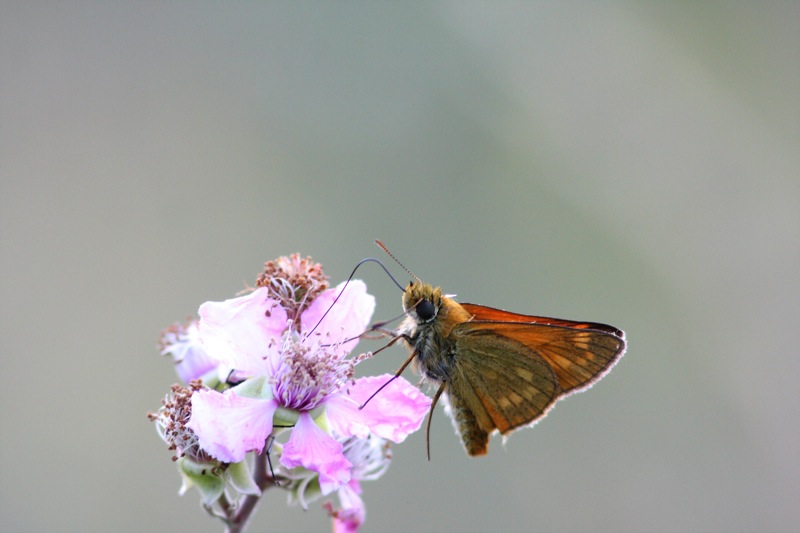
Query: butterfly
[[499, 371]]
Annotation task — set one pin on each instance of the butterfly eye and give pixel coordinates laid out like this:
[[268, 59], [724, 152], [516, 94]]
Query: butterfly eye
[[425, 310]]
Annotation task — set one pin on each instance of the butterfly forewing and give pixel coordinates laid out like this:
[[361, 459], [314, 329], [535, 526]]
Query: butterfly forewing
[[484, 313], [578, 355]]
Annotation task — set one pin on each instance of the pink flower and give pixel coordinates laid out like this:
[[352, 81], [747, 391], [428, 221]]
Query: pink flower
[[315, 450], [349, 518], [299, 375], [241, 333], [370, 458], [182, 341], [393, 414], [228, 425]]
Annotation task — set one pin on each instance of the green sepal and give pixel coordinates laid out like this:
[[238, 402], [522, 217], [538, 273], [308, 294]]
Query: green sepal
[[254, 388], [320, 416], [285, 418], [211, 380], [305, 491], [239, 477], [201, 476]]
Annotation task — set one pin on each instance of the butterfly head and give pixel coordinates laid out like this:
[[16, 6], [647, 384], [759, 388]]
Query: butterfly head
[[422, 302]]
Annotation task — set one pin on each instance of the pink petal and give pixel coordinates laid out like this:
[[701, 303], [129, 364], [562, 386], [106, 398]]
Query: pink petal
[[352, 513], [313, 449], [394, 413], [195, 364], [242, 331], [228, 426], [191, 360], [349, 317]]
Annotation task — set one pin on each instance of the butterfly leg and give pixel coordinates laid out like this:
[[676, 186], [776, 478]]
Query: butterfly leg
[[430, 415], [391, 343], [270, 442]]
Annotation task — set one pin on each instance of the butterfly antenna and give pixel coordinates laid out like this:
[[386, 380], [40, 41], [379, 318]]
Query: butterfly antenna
[[390, 254], [349, 279]]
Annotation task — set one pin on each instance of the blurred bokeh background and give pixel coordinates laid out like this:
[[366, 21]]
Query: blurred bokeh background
[[630, 163]]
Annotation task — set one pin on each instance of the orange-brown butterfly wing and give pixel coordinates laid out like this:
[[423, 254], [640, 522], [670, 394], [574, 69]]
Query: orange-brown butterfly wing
[[498, 383], [579, 353], [482, 312]]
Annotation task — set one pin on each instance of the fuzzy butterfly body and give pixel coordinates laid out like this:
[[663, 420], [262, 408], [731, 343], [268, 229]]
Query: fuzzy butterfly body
[[500, 370]]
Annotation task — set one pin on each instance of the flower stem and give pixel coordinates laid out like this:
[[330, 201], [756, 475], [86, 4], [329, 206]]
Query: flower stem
[[240, 518]]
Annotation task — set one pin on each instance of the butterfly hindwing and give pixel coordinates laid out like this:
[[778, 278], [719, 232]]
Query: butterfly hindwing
[[499, 383]]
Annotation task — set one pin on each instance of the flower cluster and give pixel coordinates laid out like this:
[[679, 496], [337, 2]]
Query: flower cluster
[[271, 381]]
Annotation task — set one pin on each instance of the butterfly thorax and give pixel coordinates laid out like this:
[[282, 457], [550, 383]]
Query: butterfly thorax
[[431, 318]]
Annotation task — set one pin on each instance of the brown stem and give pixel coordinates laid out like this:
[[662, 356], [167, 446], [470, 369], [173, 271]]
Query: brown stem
[[238, 522]]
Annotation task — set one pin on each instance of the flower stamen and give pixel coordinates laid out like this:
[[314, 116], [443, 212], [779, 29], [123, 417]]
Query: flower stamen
[[307, 374], [293, 281], [172, 419]]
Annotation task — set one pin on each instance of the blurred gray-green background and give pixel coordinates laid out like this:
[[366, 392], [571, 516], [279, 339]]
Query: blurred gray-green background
[[630, 163]]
